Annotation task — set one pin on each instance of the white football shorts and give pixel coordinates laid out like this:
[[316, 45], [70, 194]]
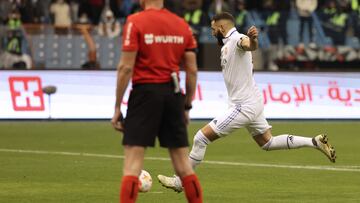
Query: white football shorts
[[239, 116]]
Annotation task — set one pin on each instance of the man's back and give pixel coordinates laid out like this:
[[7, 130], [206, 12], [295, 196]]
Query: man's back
[[161, 38]]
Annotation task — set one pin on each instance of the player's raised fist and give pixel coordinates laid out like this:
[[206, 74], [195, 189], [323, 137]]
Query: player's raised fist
[[252, 32]]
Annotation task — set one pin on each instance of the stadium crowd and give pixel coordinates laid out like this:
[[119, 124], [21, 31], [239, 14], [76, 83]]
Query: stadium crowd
[[335, 20], [336, 15]]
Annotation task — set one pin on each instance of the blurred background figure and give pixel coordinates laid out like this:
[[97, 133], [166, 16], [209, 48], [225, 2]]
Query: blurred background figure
[[122, 8], [95, 8], [288, 28], [74, 10], [241, 16], [92, 8], [271, 17], [14, 55], [335, 22], [174, 6], [60, 11], [195, 16], [83, 19], [34, 11], [5, 9], [305, 8], [218, 6], [355, 7], [109, 26]]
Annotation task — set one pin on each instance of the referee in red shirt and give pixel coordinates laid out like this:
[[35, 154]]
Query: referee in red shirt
[[155, 42]]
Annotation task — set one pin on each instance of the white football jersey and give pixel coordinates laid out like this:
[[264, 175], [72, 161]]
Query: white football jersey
[[237, 69]]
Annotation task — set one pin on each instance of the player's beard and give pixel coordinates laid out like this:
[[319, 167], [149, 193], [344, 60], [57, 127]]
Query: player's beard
[[220, 38]]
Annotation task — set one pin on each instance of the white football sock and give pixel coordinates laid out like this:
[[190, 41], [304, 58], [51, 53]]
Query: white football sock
[[198, 149], [288, 142]]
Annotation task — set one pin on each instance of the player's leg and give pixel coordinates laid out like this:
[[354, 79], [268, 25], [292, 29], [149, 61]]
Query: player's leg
[[183, 169], [285, 141], [261, 131], [133, 163], [219, 127], [173, 135], [144, 110], [202, 138]]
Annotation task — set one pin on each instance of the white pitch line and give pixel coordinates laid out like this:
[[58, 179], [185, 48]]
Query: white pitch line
[[155, 192], [327, 168]]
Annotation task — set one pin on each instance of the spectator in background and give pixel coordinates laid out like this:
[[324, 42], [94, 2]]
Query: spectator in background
[[174, 6], [95, 8], [305, 9], [241, 16], [74, 10], [357, 28], [218, 6], [34, 11], [271, 17], [84, 12], [327, 11], [83, 19], [14, 21], [109, 26], [14, 55], [5, 9], [335, 22], [194, 16], [115, 8], [275, 21], [124, 7], [355, 17], [284, 7], [61, 13], [206, 5]]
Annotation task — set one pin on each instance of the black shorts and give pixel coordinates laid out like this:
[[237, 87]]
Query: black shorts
[[154, 110]]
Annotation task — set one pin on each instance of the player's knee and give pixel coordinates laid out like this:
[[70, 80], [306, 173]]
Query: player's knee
[[200, 138], [266, 144], [196, 137], [264, 147]]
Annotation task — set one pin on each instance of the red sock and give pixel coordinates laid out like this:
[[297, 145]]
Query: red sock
[[129, 189], [192, 188]]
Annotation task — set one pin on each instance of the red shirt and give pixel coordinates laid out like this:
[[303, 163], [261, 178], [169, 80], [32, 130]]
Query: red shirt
[[160, 39]]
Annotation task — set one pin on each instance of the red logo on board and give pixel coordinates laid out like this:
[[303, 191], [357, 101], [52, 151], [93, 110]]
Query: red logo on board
[[26, 93]]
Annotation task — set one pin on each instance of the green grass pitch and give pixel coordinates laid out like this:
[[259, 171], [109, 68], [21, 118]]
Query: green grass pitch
[[80, 162]]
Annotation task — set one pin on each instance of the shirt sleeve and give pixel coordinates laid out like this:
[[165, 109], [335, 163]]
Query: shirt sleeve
[[191, 42], [239, 40], [130, 38]]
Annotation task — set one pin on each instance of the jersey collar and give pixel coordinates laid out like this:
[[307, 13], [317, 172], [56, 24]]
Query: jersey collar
[[228, 34]]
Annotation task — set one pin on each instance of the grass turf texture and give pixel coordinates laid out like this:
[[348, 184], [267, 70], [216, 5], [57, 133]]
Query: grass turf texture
[[29, 177]]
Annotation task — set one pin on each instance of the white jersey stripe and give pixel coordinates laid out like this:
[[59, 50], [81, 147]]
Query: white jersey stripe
[[229, 119]]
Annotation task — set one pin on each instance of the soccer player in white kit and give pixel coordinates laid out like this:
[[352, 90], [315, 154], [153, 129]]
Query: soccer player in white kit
[[246, 108]]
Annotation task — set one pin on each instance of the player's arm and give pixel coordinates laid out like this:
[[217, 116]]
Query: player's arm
[[190, 67], [249, 42], [124, 73]]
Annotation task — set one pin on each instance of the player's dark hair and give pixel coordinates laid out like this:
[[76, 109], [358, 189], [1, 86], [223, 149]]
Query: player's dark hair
[[223, 16]]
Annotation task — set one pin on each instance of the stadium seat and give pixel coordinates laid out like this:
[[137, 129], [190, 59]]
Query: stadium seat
[[79, 51], [352, 42], [38, 47], [108, 51]]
